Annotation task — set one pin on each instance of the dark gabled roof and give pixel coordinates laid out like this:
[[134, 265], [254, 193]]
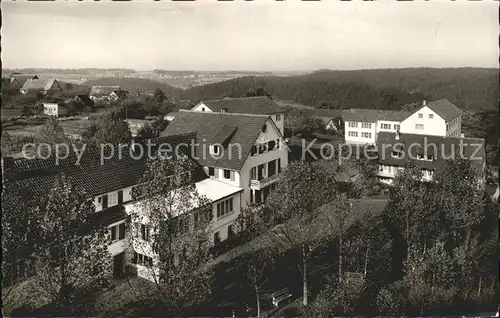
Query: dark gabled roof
[[10, 83], [445, 109], [39, 84], [207, 126], [22, 78], [85, 100], [107, 216], [245, 105], [39, 175], [372, 115], [446, 147]]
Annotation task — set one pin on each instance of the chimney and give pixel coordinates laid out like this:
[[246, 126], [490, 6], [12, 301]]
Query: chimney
[[424, 103], [397, 134]]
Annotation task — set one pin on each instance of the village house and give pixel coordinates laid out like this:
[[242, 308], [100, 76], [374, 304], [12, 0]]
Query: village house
[[259, 105], [10, 85], [22, 78], [84, 100], [244, 150], [43, 86], [54, 109], [436, 118], [107, 93]]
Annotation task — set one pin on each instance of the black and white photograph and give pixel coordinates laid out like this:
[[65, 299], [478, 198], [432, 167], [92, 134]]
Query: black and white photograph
[[250, 158]]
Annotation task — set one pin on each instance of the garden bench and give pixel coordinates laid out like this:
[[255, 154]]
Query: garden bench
[[280, 295]]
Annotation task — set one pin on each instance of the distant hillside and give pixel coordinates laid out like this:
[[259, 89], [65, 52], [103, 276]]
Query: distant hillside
[[309, 91], [469, 88], [134, 85]]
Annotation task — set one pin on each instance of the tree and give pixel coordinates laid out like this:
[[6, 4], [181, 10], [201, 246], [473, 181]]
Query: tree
[[159, 96], [52, 132], [178, 220], [412, 209], [294, 210], [70, 252], [257, 91], [111, 128], [251, 225], [146, 132]]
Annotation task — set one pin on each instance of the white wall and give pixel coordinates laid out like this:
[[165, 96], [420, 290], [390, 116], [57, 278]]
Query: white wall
[[221, 224], [118, 246], [127, 196], [435, 126], [359, 129], [201, 107], [253, 161]]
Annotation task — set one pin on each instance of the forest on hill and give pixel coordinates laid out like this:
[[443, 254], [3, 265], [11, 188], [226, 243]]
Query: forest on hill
[[134, 85], [468, 88]]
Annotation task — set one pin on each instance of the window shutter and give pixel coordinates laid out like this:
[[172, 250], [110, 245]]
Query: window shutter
[[121, 231], [216, 173], [105, 201], [232, 175], [120, 197]]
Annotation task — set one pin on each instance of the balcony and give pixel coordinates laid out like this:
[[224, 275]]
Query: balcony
[[259, 184]]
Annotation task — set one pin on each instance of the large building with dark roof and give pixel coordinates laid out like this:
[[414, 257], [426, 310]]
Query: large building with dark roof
[[258, 105], [436, 118], [396, 151], [245, 150], [110, 179]]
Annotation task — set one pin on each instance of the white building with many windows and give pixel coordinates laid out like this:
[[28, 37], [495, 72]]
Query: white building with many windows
[[436, 118], [244, 150], [363, 125]]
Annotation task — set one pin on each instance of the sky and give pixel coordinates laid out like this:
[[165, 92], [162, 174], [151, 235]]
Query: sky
[[258, 36]]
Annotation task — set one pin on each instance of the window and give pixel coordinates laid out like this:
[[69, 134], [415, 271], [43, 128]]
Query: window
[[278, 117], [397, 127], [230, 231], [215, 149], [224, 207], [353, 134], [431, 116], [254, 151], [253, 173], [271, 168], [227, 174], [271, 145], [419, 126], [203, 109], [223, 110], [353, 124], [264, 128], [277, 144], [112, 199], [211, 171], [120, 197], [279, 165], [121, 231], [385, 126], [366, 125], [216, 237], [430, 157], [447, 126], [262, 148], [366, 134], [396, 154], [140, 259], [113, 233], [99, 200], [420, 156], [420, 115], [145, 232]]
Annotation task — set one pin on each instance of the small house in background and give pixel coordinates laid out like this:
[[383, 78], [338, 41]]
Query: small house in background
[[335, 124], [107, 93], [54, 109], [43, 86], [23, 78], [84, 100], [135, 125], [10, 85]]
